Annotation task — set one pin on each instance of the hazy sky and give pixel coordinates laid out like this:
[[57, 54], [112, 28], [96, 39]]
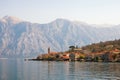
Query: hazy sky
[[43, 11]]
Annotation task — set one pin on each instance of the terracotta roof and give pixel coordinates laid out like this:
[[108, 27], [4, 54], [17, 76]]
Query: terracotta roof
[[65, 57]]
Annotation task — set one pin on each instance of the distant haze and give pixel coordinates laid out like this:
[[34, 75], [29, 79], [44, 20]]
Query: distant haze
[[45, 11]]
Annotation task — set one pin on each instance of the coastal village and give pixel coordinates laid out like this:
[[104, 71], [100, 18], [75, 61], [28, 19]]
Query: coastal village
[[108, 53], [77, 55]]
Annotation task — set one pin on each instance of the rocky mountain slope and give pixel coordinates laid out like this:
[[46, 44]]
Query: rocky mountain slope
[[22, 39]]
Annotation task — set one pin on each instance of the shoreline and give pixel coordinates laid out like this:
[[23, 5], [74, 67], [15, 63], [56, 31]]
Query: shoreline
[[72, 61]]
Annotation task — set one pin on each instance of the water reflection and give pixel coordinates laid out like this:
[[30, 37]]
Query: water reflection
[[45, 70], [6, 70]]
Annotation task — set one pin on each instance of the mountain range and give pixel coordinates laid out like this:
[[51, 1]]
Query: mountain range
[[20, 38]]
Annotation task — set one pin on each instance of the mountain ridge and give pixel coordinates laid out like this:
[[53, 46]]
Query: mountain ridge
[[26, 39]]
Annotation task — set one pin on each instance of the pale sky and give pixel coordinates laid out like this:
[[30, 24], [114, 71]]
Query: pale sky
[[44, 11]]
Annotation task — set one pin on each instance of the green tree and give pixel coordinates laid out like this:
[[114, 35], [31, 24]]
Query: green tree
[[72, 48]]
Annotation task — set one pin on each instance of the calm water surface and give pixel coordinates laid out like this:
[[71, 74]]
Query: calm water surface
[[12, 69]]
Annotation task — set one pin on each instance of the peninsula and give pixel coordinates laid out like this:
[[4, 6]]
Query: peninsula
[[108, 51]]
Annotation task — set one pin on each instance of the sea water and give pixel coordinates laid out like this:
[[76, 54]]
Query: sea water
[[19, 69]]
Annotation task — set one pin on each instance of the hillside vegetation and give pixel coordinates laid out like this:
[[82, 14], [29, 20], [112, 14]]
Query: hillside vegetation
[[103, 46]]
